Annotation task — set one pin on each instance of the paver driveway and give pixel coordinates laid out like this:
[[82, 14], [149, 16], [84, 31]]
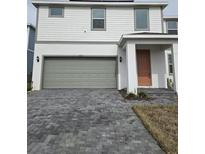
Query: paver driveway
[[85, 121]]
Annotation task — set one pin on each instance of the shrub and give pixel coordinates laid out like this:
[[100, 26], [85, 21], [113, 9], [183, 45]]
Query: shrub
[[130, 96], [170, 83], [29, 86], [142, 95]]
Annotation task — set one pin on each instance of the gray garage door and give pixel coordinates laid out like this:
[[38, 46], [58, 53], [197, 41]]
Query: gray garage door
[[79, 73]]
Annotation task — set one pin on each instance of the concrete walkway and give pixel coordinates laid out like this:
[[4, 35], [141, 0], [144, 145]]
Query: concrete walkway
[[85, 121]]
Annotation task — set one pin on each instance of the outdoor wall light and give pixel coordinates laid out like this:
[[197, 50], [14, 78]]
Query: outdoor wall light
[[120, 59], [37, 58]]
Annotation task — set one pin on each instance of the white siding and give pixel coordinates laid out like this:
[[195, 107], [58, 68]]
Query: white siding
[[69, 49], [77, 49], [122, 69], [76, 24], [155, 19], [165, 26]]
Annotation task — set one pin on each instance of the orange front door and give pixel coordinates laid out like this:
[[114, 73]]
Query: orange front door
[[144, 67]]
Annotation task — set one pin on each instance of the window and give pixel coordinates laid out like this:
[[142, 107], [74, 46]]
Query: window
[[170, 64], [141, 19], [172, 27], [98, 19], [56, 11]]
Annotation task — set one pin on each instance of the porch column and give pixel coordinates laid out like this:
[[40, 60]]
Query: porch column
[[175, 62], [131, 68]]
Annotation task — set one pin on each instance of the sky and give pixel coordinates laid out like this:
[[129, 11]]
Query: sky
[[170, 10]]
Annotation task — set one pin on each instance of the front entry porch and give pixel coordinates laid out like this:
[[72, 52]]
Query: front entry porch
[[142, 61], [143, 67]]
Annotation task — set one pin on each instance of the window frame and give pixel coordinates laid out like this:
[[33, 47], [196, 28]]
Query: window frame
[[170, 64], [148, 20], [55, 16], [98, 29], [176, 29]]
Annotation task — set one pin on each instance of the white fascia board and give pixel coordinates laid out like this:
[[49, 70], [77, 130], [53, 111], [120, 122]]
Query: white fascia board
[[66, 2], [170, 17], [150, 36]]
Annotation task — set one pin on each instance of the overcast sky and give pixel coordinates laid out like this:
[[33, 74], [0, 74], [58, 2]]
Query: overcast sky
[[171, 10]]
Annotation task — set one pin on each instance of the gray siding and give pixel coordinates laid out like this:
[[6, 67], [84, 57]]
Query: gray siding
[[31, 41], [30, 52], [29, 65]]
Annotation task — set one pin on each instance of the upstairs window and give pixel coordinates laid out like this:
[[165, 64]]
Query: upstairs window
[[142, 19], [98, 19], [170, 64], [56, 11], [172, 27]]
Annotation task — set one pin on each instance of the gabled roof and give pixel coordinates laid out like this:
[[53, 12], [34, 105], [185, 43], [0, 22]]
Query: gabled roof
[[99, 3]]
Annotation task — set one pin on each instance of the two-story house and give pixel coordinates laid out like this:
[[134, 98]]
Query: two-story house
[[86, 44]]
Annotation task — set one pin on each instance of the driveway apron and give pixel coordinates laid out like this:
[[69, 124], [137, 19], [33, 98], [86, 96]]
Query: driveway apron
[[85, 121]]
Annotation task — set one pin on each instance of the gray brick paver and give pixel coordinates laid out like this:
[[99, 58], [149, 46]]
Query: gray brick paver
[[87, 121]]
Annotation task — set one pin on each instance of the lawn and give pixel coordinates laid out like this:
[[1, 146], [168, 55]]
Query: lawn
[[162, 123]]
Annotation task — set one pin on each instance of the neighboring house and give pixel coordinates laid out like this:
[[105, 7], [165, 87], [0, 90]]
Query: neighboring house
[[170, 27], [101, 45], [30, 50]]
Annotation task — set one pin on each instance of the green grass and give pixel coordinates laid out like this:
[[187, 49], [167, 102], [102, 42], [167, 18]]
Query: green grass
[[162, 123]]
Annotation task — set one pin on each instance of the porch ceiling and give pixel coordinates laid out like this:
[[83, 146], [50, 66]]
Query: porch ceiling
[[148, 38]]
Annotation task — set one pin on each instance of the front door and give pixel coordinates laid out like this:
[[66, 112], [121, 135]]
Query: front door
[[144, 67]]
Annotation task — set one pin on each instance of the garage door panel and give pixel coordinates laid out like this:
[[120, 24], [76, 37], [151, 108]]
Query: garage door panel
[[84, 76], [80, 83], [79, 73]]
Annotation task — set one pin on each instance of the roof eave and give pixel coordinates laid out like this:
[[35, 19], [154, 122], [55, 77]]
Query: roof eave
[[170, 17], [124, 38], [65, 2]]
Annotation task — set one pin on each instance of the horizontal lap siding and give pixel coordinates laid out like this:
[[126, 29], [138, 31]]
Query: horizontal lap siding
[[155, 20], [77, 49], [76, 24]]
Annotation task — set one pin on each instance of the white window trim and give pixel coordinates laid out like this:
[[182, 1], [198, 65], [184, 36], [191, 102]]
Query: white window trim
[[172, 28], [55, 16], [148, 22], [170, 64], [92, 18]]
